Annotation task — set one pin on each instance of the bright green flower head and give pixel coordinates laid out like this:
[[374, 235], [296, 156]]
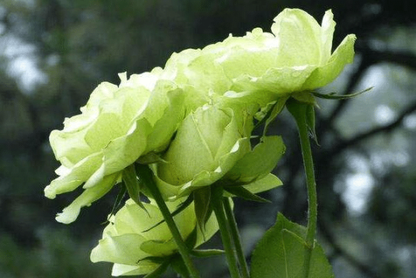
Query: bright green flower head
[[127, 243], [299, 58], [212, 144], [296, 57], [208, 143], [117, 126]]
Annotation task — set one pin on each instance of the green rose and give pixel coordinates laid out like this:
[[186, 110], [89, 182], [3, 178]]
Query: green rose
[[297, 57], [118, 125], [208, 143], [127, 243], [260, 66], [211, 142]]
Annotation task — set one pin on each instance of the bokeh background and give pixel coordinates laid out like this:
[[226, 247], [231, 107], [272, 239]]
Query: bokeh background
[[53, 53]]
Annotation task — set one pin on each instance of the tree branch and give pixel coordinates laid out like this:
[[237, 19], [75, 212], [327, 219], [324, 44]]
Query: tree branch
[[343, 144], [403, 58], [338, 250]]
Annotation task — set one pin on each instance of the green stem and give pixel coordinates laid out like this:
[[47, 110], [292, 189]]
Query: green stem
[[236, 237], [146, 176], [225, 231], [299, 112]]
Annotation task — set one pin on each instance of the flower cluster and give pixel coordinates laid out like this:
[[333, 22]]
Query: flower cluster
[[192, 123]]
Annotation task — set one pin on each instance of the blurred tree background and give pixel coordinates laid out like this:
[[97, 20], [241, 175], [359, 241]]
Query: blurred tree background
[[53, 53]]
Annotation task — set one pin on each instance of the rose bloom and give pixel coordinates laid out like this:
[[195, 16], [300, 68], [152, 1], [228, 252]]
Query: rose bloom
[[118, 125], [213, 144], [262, 67], [129, 244]]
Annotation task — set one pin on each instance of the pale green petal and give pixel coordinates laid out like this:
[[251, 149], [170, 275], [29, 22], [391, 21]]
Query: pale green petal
[[327, 33], [250, 100], [177, 64], [95, 178], [110, 230], [300, 38], [343, 55], [231, 133], [74, 177], [127, 221], [159, 248], [116, 117], [124, 150], [172, 112], [226, 162], [147, 80], [122, 249], [250, 55], [280, 81], [70, 149], [105, 90], [208, 75], [169, 191], [159, 99], [98, 135], [143, 267], [71, 212]]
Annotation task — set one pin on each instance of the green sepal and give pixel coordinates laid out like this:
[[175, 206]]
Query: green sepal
[[271, 113], [304, 97], [160, 270], [191, 239], [310, 122], [240, 191], [119, 199], [304, 113], [154, 259], [257, 163], [268, 182], [160, 248], [150, 158], [277, 109], [179, 266], [132, 184], [203, 253], [280, 253], [179, 209], [335, 96], [203, 210]]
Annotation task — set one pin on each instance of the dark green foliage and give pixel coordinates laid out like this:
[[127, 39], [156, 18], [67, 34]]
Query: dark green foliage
[[280, 253]]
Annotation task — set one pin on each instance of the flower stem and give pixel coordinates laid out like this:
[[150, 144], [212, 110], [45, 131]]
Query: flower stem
[[299, 112], [146, 176], [236, 237], [230, 252]]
